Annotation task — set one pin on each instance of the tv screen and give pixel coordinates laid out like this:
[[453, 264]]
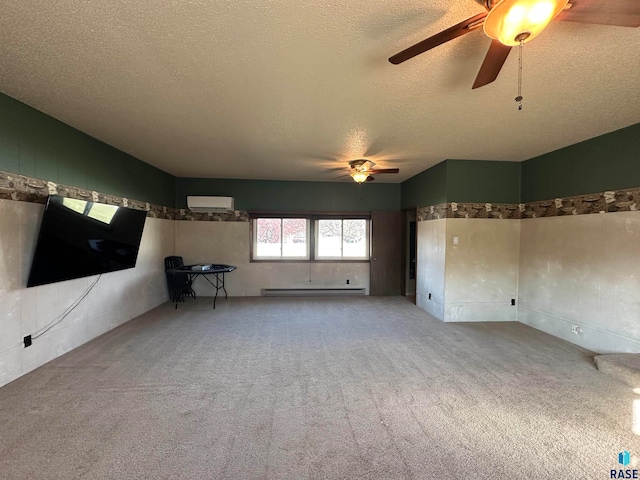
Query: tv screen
[[79, 238]]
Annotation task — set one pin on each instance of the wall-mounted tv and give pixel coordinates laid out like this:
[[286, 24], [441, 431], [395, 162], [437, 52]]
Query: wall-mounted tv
[[79, 238]]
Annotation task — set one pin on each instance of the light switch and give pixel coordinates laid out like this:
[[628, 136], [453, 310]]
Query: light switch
[[456, 240]]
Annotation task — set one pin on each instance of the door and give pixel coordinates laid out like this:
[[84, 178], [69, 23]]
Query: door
[[386, 253], [408, 274]]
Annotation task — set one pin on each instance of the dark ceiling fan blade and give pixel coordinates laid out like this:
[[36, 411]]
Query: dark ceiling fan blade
[[449, 34], [496, 56], [370, 179], [622, 13], [384, 170]]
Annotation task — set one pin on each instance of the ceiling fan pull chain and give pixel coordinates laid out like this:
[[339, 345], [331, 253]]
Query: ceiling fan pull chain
[[519, 97]]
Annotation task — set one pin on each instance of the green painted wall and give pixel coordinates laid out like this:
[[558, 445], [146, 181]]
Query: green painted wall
[[426, 188], [294, 196], [483, 181], [607, 162], [36, 145], [463, 181]]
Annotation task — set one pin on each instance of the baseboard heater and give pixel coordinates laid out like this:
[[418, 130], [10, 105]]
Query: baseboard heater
[[311, 292]]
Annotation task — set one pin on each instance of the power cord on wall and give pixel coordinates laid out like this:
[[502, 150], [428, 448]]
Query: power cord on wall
[[66, 313]]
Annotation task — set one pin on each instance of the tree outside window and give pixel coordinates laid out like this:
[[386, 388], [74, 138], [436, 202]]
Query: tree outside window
[[281, 237], [342, 238]]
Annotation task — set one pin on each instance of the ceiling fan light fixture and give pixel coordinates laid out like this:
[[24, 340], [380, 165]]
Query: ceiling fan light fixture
[[514, 21], [359, 176]]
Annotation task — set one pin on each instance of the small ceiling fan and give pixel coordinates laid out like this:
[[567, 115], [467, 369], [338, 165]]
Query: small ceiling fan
[[514, 22], [362, 170]]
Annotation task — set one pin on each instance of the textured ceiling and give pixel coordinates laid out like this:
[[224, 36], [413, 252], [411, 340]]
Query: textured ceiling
[[291, 90]]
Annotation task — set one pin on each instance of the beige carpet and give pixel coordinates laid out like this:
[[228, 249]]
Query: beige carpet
[[624, 366], [318, 388]]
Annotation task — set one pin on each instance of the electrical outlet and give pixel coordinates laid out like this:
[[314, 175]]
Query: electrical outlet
[[429, 296], [347, 281], [513, 301], [27, 341], [575, 329]]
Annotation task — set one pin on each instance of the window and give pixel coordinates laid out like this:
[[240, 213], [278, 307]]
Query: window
[[97, 211], [281, 238], [342, 239], [309, 238]]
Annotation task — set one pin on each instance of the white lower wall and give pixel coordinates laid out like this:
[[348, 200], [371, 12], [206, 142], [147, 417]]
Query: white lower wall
[[575, 270], [481, 270], [473, 281], [116, 298], [430, 272], [228, 243], [583, 270]]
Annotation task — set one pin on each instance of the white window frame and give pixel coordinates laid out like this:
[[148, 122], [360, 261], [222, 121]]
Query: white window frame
[[312, 239]]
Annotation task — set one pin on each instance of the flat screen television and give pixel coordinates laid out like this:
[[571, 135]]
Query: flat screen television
[[79, 238]]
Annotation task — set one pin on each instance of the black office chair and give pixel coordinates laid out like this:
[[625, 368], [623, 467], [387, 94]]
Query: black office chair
[[178, 284]]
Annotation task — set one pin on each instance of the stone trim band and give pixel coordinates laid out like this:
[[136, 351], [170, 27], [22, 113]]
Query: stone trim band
[[627, 200], [28, 189]]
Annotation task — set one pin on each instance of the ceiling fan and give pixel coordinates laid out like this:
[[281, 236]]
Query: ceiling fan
[[362, 170], [514, 22]]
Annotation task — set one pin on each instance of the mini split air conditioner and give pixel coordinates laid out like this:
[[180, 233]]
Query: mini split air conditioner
[[210, 204]]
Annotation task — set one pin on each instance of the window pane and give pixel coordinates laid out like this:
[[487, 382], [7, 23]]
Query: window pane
[[268, 237], [294, 237], [103, 213], [75, 205], [329, 238], [354, 240]]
